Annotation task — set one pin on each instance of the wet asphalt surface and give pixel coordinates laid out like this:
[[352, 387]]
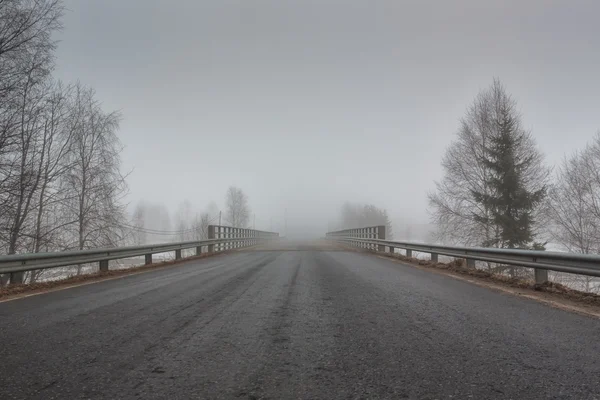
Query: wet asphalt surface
[[308, 324]]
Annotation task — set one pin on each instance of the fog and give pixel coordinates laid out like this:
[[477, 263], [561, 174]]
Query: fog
[[306, 105]]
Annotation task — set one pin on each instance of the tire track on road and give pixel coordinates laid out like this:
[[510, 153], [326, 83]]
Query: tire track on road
[[276, 334]]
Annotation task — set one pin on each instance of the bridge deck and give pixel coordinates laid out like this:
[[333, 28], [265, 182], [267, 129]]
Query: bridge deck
[[311, 324]]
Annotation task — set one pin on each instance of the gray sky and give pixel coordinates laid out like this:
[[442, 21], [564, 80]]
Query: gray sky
[[305, 104]]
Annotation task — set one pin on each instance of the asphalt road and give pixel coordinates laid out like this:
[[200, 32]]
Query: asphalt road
[[293, 325]]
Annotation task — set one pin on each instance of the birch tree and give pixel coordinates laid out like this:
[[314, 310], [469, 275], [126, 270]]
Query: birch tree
[[237, 208], [26, 27], [94, 184]]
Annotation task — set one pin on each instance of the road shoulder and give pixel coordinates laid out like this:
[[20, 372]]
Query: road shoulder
[[584, 305]]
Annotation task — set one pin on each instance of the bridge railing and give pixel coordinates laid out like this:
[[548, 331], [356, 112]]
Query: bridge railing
[[369, 232], [540, 261], [228, 232], [220, 238]]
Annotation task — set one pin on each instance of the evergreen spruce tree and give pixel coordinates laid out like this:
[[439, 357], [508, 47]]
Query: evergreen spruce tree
[[509, 200]]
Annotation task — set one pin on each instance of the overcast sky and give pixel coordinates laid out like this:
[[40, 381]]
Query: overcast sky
[[305, 104]]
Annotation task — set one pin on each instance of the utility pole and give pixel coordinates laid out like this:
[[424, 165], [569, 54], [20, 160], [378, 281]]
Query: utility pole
[[219, 218], [254, 224], [285, 222]]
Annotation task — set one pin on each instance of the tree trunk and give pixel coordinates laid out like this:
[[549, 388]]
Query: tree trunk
[[15, 277]]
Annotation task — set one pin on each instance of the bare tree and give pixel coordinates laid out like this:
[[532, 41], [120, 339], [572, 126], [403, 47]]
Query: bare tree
[[26, 55], [60, 180], [200, 225], [574, 209], [56, 139], [202, 220], [591, 161], [26, 48], [150, 223], [184, 218], [575, 225], [56, 143], [27, 158], [94, 184], [364, 215], [26, 27], [138, 222], [237, 209], [456, 213]]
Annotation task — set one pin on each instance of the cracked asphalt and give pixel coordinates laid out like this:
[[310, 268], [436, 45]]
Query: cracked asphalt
[[286, 324]]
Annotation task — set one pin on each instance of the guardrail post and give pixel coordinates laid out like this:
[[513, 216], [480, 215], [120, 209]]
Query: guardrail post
[[178, 254], [227, 236], [409, 253], [198, 250], [219, 235], [434, 257], [148, 260], [391, 250], [470, 263], [381, 235], [211, 236], [16, 277], [541, 275], [103, 265]]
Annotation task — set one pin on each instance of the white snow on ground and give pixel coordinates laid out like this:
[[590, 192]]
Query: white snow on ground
[[54, 274]]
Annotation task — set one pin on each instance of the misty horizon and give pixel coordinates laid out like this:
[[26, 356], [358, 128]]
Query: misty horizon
[[307, 105]]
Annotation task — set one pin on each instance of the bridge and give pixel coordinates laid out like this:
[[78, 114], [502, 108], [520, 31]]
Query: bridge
[[251, 316]]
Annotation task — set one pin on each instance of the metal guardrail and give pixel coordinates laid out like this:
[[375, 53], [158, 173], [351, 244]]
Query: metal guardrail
[[220, 238], [540, 261]]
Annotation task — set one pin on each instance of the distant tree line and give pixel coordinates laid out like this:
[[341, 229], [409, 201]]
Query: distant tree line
[[152, 223], [60, 182], [497, 191], [355, 215]]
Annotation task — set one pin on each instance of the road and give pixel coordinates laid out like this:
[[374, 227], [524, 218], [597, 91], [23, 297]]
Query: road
[[310, 324]]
